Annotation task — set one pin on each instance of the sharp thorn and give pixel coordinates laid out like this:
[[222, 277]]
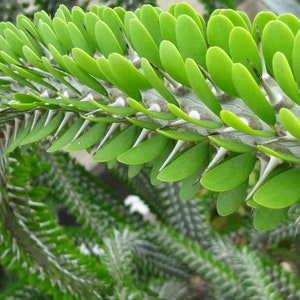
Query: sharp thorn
[[141, 137], [110, 131], [221, 152], [265, 169], [177, 147]]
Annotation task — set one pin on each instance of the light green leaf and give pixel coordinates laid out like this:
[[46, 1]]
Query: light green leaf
[[218, 31], [215, 58], [281, 191], [190, 41], [201, 87], [185, 164], [283, 43], [231, 145], [290, 122], [229, 174], [187, 136], [143, 42], [243, 49], [284, 77], [251, 94], [167, 26], [156, 81], [285, 156], [172, 62]]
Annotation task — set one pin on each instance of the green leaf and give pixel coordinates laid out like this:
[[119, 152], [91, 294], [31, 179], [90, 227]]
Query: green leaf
[[260, 21], [190, 40], [266, 219], [125, 72], [243, 49], [283, 43], [251, 94], [167, 26], [107, 42], [229, 201], [88, 139], [201, 87], [87, 63], [231, 145], [229, 174], [78, 39], [291, 21], [61, 30], [187, 136], [172, 62], [145, 151], [235, 122], [235, 18], [285, 155], [118, 144], [84, 77], [150, 19], [296, 58], [215, 58], [290, 122], [143, 42], [185, 164], [218, 31], [157, 82], [42, 130], [67, 137], [284, 77], [281, 191]]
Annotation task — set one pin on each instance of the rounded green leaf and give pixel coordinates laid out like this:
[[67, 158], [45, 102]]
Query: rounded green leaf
[[167, 26], [61, 30], [201, 87], [229, 174], [296, 58], [172, 62], [150, 19], [266, 218], [215, 58], [107, 42], [190, 40], [251, 94], [231, 145], [229, 201], [260, 21], [145, 151], [118, 144], [185, 164], [235, 122], [218, 31], [291, 21], [284, 77], [290, 122], [89, 138], [235, 18], [79, 40], [156, 81], [283, 42], [243, 49], [281, 191], [143, 42]]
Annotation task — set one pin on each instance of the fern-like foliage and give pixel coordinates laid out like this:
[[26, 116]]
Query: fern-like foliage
[[193, 117]]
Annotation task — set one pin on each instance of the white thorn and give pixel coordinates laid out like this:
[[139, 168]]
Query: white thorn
[[177, 147], [120, 101], [51, 113], [35, 119], [83, 126], [142, 135], [265, 169], [178, 122], [88, 97], [155, 107], [63, 123], [194, 114], [16, 127], [7, 133], [221, 152], [110, 131], [44, 94]]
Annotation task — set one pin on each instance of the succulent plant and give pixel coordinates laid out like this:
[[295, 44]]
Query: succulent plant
[[205, 107]]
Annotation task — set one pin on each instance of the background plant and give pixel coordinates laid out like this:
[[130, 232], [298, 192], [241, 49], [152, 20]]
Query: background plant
[[196, 138]]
